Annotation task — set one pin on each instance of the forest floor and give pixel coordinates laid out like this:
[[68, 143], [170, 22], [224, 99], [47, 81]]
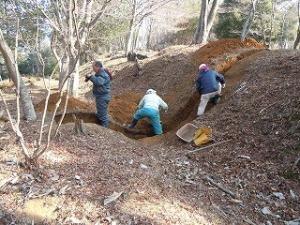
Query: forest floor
[[156, 179]]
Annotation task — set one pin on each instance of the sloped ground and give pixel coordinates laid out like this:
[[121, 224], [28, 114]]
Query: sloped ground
[[172, 74], [262, 121], [162, 184]]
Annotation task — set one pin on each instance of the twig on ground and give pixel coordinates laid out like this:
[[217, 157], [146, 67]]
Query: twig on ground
[[296, 162], [48, 192], [5, 181], [261, 111], [209, 179], [209, 146], [247, 220]]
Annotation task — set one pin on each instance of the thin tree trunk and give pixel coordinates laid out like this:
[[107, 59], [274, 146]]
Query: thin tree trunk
[[64, 69], [149, 34], [74, 81], [212, 15], [202, 23], [271, 26], [249, 21], [26, 101], [297, 41], [282, 39], [136, 38], [130, 37]]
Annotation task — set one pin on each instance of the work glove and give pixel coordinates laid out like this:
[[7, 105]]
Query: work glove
[[87, 77]]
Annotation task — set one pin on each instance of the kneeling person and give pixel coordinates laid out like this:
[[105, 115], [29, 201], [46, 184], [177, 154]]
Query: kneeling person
[[149, 108]]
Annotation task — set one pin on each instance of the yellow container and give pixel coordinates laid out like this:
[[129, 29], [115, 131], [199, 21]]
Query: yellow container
[[202, 136]]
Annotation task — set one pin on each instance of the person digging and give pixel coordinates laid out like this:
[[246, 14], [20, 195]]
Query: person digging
[[149, 107], [209, 83], [101, 91]]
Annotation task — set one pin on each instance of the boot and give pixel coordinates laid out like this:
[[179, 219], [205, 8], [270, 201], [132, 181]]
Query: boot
[[215, 100], [133, 124]]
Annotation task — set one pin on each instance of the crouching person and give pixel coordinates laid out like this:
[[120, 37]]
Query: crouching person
[[149, 108], [101, 92], [209, 84]]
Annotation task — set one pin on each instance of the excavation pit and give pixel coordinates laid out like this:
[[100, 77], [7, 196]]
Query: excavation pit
[[173, 76]]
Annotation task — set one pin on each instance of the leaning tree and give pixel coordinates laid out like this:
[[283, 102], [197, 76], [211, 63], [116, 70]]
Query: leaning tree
[[206, 20]]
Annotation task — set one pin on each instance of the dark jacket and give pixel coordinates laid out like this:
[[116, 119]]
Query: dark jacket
[[208, 82], [101, 85]]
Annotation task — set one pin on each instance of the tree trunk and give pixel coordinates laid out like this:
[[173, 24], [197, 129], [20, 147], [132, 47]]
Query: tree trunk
[[64, 69], [249, 21], [200, 34], [282, 39], [74, 81], [130, 38], [297, 41], [26, 101], [149, 34], [271, 26], [136, 38], [212, 15]]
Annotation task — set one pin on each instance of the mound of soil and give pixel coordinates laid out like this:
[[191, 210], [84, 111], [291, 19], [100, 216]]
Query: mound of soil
[[121, 110], [173, 75], [74, 104], [208, 53], [261, 119], [122, 107]]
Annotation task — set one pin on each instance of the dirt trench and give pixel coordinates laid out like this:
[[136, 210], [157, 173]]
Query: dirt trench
[[173, 76]]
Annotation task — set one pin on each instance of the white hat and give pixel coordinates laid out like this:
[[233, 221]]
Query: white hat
[[150, 91]]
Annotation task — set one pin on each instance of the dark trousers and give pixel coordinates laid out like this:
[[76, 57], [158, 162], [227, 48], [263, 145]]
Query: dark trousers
[[102, 111]]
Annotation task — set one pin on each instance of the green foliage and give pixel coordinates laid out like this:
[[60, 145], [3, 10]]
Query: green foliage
[[108, 33], [29, 63], [229, 25]]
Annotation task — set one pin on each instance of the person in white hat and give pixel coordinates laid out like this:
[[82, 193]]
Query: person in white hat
[[149, 107], [209, 84]]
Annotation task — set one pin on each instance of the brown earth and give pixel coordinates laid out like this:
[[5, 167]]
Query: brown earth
[[259, 114], [172, 75]]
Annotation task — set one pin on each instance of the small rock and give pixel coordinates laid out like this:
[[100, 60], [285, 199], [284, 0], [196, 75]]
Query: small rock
[[292, 222], [11, 162], [77, 177], [55, 177], [269, 223], [63, 190], [112, 198], [73, 220], [130, 162], [14, 181], [115, 222], [144, 166], [293, 195], [279, 195], [267, 211], [244, 157]]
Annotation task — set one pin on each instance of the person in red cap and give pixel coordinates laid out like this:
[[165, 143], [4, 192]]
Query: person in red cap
[[209, 84]]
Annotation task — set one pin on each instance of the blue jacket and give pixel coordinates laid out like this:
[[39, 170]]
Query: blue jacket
[[208, 82], [101, 85]]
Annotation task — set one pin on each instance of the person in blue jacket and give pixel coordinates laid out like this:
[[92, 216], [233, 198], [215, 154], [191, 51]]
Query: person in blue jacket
[[209, 84], [101, 91]]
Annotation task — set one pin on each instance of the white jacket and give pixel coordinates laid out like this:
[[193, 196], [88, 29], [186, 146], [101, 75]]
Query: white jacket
[[152, 101]]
